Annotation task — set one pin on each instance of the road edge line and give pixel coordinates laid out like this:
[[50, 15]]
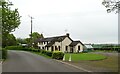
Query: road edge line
[[74, 66]]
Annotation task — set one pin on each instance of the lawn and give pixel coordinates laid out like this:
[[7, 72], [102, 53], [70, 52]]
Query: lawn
[[84, 56]]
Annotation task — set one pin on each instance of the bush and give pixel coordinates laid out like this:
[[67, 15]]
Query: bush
[[48, 53], [58, 55], [4, 53], [43, 51]]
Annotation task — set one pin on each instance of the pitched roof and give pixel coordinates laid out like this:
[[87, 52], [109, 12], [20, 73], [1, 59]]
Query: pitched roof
[[74, 43], [50, 44], [88, 46], [52, 39]]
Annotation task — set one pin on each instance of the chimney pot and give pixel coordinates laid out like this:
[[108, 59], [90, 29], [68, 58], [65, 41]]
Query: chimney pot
[[67, 34]]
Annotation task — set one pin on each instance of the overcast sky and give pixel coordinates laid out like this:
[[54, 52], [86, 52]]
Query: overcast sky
[[85, 20]]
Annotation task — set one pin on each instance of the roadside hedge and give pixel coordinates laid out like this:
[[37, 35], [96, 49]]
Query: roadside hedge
[[48, 53], [55, 55], [4, 53], [58, 55], [14, 48]]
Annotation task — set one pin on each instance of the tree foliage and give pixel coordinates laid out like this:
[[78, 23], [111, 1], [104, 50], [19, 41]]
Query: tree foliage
[[35, 36], [21, 41], [10, 40], [112, 5], [10, 21], [10, 18]]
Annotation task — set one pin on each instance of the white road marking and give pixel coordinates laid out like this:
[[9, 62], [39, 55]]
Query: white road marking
[[74, 66]]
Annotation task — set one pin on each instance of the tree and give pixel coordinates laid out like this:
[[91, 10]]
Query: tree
[[21, 41], [112, 5], [10, 20], [10, 40], [35, 36]]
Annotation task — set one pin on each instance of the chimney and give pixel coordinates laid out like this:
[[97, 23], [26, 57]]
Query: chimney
[[67, 34]]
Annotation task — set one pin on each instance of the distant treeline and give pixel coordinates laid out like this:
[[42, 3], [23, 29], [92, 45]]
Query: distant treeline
[[112, 47]]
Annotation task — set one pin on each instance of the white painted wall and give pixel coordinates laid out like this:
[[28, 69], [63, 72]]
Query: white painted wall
[[65, 42], [76, 47]]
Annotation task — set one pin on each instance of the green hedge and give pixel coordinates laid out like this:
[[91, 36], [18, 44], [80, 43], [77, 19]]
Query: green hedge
[[14, 48], [55, 55], [48, 53], [4, 53], [58, 55], [18, 48]]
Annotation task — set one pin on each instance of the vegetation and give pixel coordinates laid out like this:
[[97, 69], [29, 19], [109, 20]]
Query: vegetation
[[107, 47], [4, 53], [55, 55], [10, 21], [112, 5], [35, 36], [9, 40], [58, 55], [84, 56]]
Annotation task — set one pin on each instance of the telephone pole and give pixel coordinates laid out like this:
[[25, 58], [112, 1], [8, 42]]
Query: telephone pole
[[31, 30]]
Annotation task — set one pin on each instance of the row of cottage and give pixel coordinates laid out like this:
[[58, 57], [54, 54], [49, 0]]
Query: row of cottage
[[60, 43]]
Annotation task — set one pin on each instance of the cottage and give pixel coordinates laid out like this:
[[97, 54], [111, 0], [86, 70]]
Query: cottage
[[60, 43]]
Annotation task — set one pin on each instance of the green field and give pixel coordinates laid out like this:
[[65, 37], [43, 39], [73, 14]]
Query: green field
[[84, 56]]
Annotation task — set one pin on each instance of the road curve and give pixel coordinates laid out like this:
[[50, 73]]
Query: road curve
[[21, 61]]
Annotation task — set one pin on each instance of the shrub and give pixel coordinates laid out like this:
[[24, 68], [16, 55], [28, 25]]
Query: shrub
[[58, 55], [48, 53], [4, 53], [43, 51]]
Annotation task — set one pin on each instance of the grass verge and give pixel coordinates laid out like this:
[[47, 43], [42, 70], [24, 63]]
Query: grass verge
[[84, 56]]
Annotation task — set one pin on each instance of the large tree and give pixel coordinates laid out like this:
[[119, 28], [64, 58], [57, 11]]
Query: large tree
[[10, 20], [35, 36], [112, 5], [10, 40]]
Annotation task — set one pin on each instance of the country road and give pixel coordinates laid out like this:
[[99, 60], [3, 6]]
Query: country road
[[21, 61]]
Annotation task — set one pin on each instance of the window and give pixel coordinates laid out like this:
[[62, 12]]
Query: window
[[52, 48], [78, 48], [39, 47], [55, 48], [42, 47], [59, 48], [47, 48], [66, 48]]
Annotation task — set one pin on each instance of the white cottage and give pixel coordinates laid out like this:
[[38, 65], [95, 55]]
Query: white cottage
[[60, 43]]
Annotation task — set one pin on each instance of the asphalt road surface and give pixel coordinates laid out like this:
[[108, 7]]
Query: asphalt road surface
[[21, 61]]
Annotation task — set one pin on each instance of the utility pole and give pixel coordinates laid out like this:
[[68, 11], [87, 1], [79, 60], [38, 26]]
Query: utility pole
[[31, 30]]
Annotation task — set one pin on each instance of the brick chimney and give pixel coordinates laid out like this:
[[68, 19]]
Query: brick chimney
[[67, 34]]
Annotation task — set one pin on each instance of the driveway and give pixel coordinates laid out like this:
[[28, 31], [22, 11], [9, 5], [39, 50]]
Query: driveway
[[21, 61]]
